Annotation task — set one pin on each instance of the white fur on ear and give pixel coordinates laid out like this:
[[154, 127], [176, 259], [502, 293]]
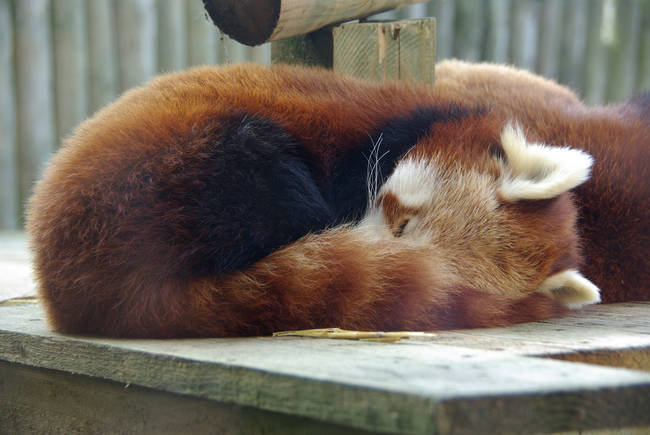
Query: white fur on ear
[[539, 171], [570, 288]]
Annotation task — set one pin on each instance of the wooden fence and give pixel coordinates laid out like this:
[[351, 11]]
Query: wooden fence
[[60, 60]]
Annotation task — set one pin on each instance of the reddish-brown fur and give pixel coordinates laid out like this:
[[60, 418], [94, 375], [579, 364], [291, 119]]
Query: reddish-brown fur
[[101, 270], [614, 205]]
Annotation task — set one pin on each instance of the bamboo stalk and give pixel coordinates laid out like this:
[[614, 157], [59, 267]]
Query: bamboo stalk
[[8, 173], [253, 22]]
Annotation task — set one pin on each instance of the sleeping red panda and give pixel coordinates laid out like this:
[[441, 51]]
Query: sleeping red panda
[[245, 200]]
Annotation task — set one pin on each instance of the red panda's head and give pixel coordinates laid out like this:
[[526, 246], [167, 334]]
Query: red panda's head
[[494, 206]]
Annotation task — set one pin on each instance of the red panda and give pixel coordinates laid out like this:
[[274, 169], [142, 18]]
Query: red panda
[[243, 200]]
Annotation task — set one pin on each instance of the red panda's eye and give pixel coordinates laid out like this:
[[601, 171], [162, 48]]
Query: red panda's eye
[[400, 230]]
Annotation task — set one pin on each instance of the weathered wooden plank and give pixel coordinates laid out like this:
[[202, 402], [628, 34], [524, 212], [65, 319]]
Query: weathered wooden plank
[[34, 93], [8, 155], [172, 35], [403, 50], [136, 21], [400, 387], [102, 63], [70, 64], [47, 401], [202, 36], [252, 22]]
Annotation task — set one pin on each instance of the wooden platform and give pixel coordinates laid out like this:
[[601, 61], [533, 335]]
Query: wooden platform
[[502, 380]]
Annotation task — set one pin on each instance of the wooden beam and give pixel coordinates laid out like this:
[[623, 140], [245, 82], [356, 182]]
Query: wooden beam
[[254, 22]]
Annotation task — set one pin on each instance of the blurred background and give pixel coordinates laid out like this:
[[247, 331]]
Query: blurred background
[[61, 60]]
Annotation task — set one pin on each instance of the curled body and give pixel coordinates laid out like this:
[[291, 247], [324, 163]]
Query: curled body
[[235, 201]]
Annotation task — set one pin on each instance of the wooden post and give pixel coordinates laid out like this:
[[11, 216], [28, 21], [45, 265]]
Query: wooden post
[[36, 130], [386, 51], [8, 159], [70, 64], [315, 49], [253, 22], [172, 35], [136, 41], [102, 63]]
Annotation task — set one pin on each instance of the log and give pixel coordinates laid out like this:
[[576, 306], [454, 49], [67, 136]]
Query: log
[[253, 22], [8, 173], [70, 64], [102, 63], [34, 93]]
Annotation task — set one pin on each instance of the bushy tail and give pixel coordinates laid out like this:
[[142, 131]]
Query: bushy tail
[[348, 278], [345, 277]]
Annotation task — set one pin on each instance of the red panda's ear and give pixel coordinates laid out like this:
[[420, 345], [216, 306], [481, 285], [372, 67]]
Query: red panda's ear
[[537, 171], [571, 289]]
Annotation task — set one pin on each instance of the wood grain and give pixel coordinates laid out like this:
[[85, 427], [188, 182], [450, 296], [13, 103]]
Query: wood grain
[[400, 50], [406, 387]]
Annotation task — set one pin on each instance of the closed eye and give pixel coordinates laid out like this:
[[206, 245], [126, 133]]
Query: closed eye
[[400, 230]]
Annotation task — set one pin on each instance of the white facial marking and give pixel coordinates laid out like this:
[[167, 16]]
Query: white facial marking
[[570, 288], [539, 171], [413, 182]]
